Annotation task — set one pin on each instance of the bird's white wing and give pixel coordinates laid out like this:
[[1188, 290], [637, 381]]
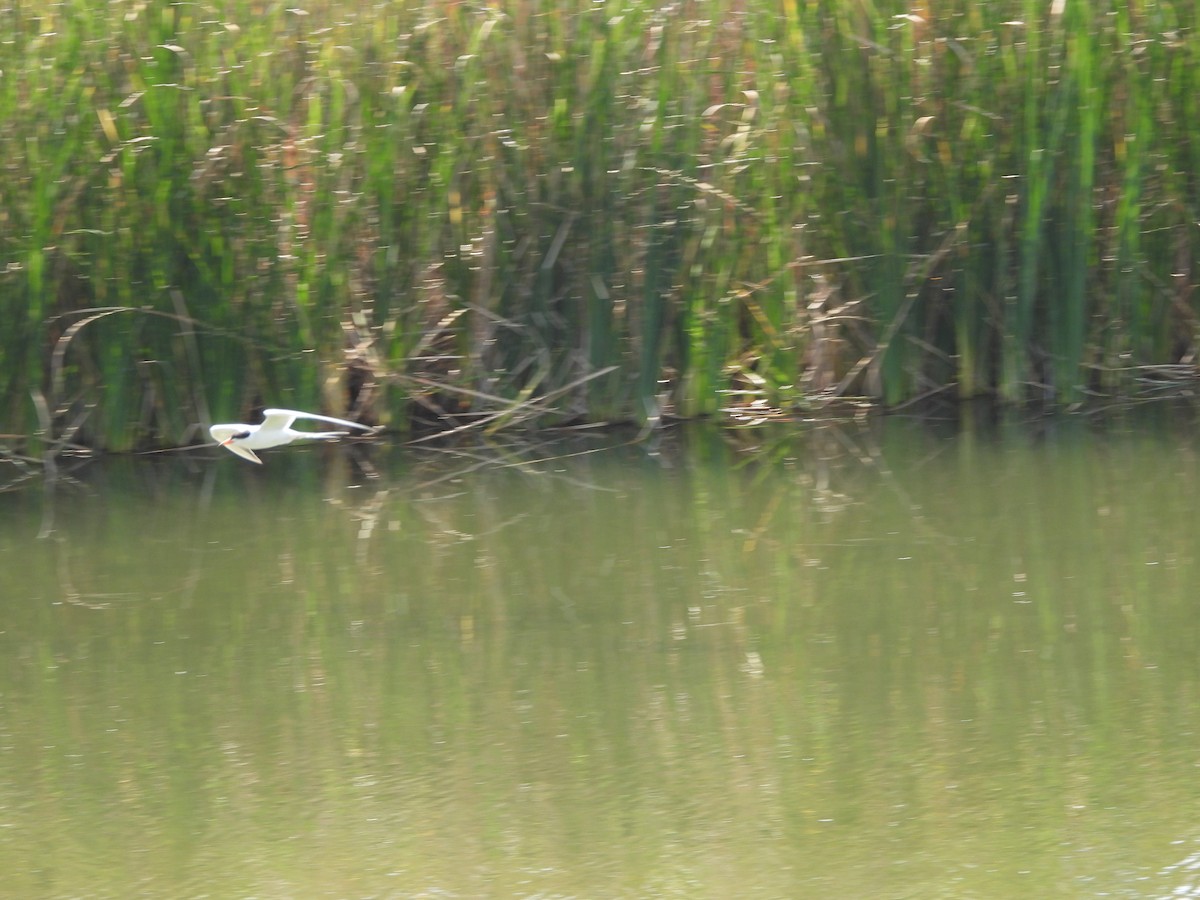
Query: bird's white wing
[[283, 418], [243, 452]]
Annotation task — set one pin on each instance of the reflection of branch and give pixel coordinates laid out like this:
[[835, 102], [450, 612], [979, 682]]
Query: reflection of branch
[[47, 527], [49, 461], [369, 515], [873, 458], [480, 460], [514, 455], [431, 515], [52, 477], [24, 466], [204, 501], [103, 600], [67, 584]]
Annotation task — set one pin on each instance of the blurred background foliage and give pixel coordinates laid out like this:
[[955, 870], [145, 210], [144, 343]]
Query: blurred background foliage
[[443, 212]]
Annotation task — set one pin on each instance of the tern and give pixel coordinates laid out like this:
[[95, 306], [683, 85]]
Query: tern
[[275, 431]]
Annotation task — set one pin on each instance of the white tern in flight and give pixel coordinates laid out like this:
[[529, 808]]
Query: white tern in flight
[[275, 431]]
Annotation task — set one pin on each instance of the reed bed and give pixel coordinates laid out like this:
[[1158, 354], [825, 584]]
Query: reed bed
[[452, 213]]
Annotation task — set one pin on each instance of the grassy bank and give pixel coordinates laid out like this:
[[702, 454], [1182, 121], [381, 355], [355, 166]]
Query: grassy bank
[[621, 208]]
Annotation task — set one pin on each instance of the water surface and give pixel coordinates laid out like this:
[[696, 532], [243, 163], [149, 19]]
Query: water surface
[[866, 659]]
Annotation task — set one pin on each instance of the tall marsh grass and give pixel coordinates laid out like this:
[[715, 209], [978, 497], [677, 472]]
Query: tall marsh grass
[[589, 210]]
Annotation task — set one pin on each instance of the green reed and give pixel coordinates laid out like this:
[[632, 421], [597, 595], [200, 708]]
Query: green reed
[[450, 211]]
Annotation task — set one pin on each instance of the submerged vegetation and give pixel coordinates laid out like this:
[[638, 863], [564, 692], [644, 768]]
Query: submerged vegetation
[[599, 210]]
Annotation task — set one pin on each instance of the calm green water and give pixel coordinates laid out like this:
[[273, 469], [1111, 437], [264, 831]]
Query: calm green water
[[865, 661]]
